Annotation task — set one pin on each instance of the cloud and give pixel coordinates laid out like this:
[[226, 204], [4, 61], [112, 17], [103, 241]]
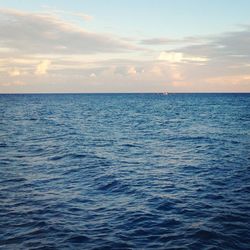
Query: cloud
[[176, 74], [220, 64], [132, 71], [14, 83], [42, 67], [85, 17], [51, 10], [14, 72], [158, 41], [232, 79], [172, 57], [178, 57], [95, 62], [37, 33], [170, 41], [156, 70], [229, 46]]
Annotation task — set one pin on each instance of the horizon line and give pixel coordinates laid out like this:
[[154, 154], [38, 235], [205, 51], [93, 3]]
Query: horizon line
[[87, 93]]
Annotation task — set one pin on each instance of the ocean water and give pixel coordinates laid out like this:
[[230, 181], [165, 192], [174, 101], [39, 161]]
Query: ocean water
[[125, 171]]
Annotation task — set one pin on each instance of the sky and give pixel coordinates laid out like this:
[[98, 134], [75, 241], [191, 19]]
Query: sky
[[88, 46]]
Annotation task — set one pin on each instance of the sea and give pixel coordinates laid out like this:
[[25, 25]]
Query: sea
[[125, 171]]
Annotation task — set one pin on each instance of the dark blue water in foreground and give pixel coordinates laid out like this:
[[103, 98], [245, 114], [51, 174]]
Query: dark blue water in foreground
[[125, 171]]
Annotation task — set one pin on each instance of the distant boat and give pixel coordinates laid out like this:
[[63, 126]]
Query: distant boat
[[165, 93]]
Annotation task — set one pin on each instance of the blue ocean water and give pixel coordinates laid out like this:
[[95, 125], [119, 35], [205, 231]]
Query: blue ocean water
[[125, 171]]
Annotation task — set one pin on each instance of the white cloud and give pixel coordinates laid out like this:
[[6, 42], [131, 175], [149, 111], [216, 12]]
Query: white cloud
[[173, 57], [42, 67], [179, 57], [36, 33], [14, 72], [131, 71]]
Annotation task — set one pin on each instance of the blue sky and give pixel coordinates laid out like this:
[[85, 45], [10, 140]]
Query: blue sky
[[160, 17], [170, 18], [125, 46]]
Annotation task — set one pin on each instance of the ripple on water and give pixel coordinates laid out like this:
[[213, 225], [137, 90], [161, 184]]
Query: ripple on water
[[124, 171]]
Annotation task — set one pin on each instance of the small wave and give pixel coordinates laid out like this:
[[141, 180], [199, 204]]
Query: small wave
[[109, 186], [114, 186], [71, 156], [3, 145], [77, 239], [166, 206], [14, 180], [230, 218], [206, 235]]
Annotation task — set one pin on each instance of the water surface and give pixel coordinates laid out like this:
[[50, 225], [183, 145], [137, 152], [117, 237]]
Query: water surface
[[125, 171]]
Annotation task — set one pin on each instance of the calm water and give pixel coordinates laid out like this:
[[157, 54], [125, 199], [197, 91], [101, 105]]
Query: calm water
[[125, 171]]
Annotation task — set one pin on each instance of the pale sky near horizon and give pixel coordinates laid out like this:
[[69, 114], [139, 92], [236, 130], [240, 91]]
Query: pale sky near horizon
[[124, 46]]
